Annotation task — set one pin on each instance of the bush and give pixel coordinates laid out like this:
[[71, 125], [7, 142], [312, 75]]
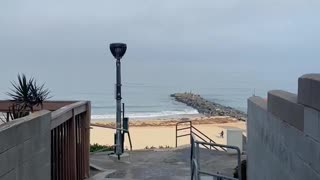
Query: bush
[[160, 147], [97, 148]]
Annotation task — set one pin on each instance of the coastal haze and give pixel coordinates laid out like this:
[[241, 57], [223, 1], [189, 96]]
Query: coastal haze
[[225, 51]]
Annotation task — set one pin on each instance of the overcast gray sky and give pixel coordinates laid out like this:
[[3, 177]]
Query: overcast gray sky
[[164, 24]]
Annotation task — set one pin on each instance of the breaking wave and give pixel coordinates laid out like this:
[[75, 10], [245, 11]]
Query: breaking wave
[[144, 115]]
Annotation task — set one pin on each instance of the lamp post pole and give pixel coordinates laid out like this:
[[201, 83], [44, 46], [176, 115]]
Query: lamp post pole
[[118, 50], [118, 115]]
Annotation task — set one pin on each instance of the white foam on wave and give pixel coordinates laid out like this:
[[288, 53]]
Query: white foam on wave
[[148, 114]]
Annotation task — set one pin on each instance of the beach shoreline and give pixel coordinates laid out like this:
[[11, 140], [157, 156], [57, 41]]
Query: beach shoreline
[[146, 133], [146, 122], [178, 116]]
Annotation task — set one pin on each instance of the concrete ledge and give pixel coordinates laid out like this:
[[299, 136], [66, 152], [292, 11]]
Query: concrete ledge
[[309, 90], [260, 102], [20, 130], [284, 105]]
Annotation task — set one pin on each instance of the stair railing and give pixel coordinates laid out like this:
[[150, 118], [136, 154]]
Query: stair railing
[[196, 171], [108, 127], [196, 132]]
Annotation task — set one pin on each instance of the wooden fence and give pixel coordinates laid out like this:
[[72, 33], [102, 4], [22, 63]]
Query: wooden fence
[[70, 138]]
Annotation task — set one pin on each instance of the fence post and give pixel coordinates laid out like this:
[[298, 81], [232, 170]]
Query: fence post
[[73, 147], [87, 138], [192, 151], [176, 135], [197, 154], [190, 131], [239, 162]]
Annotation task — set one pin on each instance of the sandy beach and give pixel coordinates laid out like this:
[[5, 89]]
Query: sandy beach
[[161, 132]]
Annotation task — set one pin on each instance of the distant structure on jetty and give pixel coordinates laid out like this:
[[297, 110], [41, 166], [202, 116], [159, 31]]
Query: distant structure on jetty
[[206, 107]]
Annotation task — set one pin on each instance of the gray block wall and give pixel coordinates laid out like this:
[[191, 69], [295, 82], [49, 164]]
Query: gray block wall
[[284, 135], [25, 148]]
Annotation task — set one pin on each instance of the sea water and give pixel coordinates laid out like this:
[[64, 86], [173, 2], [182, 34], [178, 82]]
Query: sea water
[[147, 84]]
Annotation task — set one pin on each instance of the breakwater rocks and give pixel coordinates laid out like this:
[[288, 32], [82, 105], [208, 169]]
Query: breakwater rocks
[[206, 107]]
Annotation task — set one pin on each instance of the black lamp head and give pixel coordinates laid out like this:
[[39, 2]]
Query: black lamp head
[[118, 50]]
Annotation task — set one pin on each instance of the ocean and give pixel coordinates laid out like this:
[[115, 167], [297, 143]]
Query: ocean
[[147, 85]]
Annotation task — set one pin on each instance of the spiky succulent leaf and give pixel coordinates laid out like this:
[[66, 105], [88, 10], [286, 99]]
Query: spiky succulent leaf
[[27, 93]]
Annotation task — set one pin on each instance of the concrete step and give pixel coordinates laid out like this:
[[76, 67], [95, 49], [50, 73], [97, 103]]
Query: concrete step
[[102, 176], [207, 178], [163, 164]]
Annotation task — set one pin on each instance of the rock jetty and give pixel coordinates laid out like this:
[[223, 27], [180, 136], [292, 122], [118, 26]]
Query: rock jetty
[[208, 108]]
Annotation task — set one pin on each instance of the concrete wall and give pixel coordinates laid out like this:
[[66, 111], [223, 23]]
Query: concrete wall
[[234, 138], [284, 134], [25, 148]]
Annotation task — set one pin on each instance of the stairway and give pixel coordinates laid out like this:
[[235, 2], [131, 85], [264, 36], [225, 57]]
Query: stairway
[[167, 164]]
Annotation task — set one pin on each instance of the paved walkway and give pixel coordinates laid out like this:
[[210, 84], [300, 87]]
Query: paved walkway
[[173, 164]]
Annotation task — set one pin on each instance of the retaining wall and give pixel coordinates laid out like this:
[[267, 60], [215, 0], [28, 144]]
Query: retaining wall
[[25, 148], [284, 133]]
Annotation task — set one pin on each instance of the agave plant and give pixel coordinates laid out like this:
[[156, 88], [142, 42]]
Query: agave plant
[[27, 94]]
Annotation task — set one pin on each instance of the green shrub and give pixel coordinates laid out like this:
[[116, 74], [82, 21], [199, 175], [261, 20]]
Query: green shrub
[[97, 147], [160, 147]]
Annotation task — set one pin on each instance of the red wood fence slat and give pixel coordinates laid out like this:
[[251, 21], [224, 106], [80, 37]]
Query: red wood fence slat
[[70, 143]]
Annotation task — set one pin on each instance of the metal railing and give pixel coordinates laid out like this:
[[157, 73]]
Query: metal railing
[[108, 127], [196, 172], [196, 132], [70, 126]]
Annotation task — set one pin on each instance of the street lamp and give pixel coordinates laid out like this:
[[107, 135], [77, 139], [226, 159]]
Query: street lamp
[[118, 50]]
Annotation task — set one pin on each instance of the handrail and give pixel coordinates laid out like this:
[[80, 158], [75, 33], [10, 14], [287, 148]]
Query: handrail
[[124, 130], [205, 140], [50, 105], [65, 113], [201, 133], [70, 141], [194, 160], [183, 122], [195, 168], [191, 132]]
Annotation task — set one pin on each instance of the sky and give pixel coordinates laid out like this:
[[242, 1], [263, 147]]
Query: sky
[[166, 25], [262, 36]]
